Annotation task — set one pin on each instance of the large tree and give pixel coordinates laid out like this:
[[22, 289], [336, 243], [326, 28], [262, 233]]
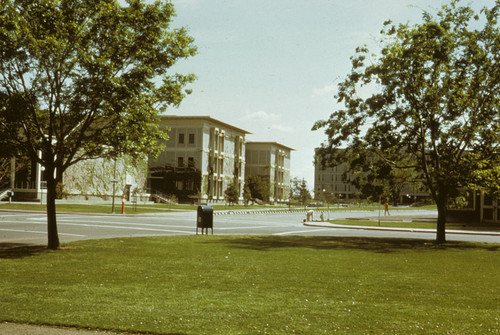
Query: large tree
[[81, 79], [434, 102], [258, 187], [300, 191], [232, 193]]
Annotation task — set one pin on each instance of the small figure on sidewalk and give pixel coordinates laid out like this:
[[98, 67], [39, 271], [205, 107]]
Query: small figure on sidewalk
[[386, 212], [309, 215]]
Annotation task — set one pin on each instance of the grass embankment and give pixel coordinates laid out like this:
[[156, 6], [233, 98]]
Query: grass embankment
[[386, 224], [417, 225], [95, 208], [251, 285]]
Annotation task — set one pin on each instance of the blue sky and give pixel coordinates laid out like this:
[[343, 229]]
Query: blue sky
[[271, 66]]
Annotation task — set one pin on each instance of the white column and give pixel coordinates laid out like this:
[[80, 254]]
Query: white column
[[38, 183]]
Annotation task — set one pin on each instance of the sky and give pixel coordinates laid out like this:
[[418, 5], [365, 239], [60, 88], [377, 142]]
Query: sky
[[271, 67]]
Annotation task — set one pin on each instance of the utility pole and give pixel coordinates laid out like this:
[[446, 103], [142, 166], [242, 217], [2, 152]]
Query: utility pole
[[114, 181]]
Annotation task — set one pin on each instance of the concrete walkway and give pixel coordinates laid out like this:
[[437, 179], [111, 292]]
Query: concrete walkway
[[398, 218]]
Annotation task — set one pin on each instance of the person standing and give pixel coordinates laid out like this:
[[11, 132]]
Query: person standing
[[386, 212]]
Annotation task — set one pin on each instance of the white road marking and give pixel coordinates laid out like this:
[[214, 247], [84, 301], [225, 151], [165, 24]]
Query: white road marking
[[253, 227], [39, 232], [304, 231], [11, 221], [122, 227]]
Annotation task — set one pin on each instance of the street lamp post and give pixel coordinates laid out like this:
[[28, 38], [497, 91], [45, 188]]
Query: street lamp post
[[114, 181], [327, 199], [379, 204]]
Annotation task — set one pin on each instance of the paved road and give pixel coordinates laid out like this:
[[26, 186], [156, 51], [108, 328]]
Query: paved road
[[29, 227]]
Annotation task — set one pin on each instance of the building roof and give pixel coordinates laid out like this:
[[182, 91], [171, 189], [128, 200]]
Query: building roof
[[202, 118], [273, 143]]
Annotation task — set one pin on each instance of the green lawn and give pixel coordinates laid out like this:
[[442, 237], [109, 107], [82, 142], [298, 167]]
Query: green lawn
[[91, 208], [252, 285]]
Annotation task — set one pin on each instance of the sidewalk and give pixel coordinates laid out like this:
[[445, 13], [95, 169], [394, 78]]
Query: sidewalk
[[326, 224]]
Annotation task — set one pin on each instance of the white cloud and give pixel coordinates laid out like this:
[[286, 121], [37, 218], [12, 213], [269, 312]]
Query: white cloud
[[281, 128], [325, 90], [262, 116]]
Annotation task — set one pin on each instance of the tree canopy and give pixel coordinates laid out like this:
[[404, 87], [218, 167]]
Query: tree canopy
[[86, 79], [300, 191], [232, 193], [434, 105], [257, 187]]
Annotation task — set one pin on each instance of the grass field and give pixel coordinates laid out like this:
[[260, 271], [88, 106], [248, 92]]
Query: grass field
[[95, 208], [255, 285]]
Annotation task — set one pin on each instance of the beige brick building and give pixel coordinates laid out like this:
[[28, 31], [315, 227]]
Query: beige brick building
[[202, 157], [270, 160], [329, 181]]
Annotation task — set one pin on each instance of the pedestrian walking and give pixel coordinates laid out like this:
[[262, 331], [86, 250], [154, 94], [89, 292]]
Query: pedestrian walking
[[386, 212]]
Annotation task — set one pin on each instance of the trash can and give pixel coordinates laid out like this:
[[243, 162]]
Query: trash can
[[205, 219]]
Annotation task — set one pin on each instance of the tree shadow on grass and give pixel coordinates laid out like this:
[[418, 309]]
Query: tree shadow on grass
[[378, 245], [20, 250]]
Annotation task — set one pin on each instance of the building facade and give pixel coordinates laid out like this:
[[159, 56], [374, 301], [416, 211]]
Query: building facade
[[202, 157], [476, 206], [335, 182], [93, 178], [329, 182], [25, 180], [271, 161], [103, 177]]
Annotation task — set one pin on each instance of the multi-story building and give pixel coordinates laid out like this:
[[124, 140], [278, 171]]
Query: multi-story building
[[271, 161], [202, 157], [335, 181], [100, 178], [330, 181]]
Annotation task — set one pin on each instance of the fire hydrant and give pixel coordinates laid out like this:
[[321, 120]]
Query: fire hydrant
[[123, 203]]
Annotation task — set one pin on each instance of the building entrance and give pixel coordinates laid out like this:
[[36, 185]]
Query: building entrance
[[490, 211]]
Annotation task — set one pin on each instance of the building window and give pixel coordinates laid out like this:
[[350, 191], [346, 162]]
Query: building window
[[216, 141], [221, 142], [191, 139], [221, 166], [180, 162], [179, 184], [181, 138], [191, 162]]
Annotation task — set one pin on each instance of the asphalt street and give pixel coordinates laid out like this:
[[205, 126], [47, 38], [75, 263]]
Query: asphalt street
[[30, 227]]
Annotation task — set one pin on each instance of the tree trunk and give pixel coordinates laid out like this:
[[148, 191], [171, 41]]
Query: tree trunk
[[441, 222], [52, 234]]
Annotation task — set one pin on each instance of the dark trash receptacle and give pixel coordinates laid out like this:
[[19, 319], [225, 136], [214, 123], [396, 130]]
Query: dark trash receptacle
[[205, 219]]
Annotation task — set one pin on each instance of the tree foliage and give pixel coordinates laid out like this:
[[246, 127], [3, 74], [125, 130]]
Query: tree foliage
[[232, 193], [86, 79], [300, 191], [435, 102], [257, 187]]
